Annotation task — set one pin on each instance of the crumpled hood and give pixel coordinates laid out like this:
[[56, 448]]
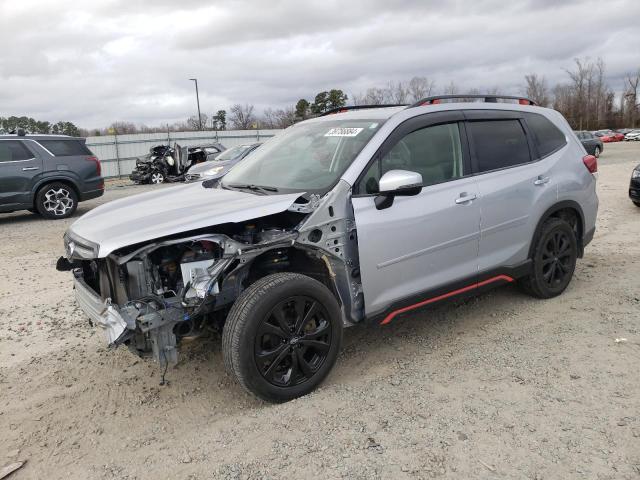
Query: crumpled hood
[[168, 211]]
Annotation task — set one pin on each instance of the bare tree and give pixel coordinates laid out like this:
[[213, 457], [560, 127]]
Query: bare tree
[[122, 128], [194, 124], [396, 92], [285, 117], [418, 88], [537, 90], [630, 104], [242, 117], [268, 119], [451, 89]]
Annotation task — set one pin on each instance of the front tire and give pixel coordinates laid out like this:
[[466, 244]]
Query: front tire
[[56, 201], [157, 178], [554, 260], [282, 336]]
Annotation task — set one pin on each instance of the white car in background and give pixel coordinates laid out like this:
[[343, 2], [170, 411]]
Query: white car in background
[[632, 135]]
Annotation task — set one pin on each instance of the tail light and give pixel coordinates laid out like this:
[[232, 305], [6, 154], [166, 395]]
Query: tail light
[[97, 162], [591, 163]]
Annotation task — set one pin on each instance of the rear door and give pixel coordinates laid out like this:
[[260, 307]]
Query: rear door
[[516, 184], [425, 242], [18, 166]]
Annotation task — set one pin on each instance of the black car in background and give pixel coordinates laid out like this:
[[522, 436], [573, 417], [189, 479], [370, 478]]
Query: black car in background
[[634, 186], [592, 144], [168, 164], [47, 174]]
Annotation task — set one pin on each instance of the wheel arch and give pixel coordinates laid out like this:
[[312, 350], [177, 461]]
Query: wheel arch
[[46, 181], [298, 260], [568, 210]]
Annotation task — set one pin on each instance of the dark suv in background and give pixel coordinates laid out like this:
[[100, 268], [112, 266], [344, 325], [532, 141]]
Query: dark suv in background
[[47, 174], [592, 144]]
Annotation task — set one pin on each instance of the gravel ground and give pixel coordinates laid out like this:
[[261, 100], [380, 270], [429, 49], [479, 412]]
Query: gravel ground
[[500, 386]]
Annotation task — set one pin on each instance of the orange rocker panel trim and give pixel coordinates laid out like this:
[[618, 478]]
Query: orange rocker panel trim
[[473, 286]]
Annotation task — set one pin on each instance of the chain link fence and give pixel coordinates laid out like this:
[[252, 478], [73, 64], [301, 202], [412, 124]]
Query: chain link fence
[[118, 153]]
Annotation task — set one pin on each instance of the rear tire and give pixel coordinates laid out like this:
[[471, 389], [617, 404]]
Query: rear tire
[[596, 152], [282, 336], [553, 261], [56, 201], [637, 204]]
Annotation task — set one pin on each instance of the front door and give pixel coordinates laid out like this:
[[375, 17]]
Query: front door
[[427, 242], [18, 166]]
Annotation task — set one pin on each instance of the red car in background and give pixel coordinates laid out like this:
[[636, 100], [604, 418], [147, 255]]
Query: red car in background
[[608, 136]]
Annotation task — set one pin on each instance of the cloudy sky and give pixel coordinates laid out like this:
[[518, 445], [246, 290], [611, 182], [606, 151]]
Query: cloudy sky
[[95, 62]]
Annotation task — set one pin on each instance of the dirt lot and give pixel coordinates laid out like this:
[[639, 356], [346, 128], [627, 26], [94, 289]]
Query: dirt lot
[[502, 386]]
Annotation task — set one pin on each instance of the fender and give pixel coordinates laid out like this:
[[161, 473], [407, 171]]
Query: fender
[[565, 204], [60, 175]]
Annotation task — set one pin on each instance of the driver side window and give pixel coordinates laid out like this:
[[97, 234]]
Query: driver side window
[[434, 152]]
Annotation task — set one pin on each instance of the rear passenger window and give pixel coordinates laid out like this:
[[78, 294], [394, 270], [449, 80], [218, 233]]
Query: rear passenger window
[[498, 144], [13, 150], [64, 148], [547, 136]]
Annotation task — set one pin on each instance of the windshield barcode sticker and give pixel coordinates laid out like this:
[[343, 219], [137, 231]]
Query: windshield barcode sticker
[[343, 132]]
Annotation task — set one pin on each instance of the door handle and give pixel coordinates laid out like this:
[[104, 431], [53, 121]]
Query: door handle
[[541, 180], [464, 198], [28, 169]]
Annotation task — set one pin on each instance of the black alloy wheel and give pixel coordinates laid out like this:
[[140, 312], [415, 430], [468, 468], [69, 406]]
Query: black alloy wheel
[[293, 341], [553, 260], [282, 336], [557, 258]]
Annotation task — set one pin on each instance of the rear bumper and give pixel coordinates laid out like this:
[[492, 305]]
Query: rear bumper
[[634, 191], [101, 312], [587, 237], [91, 194]]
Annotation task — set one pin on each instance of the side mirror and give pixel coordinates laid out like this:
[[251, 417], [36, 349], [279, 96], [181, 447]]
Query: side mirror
[[397, 183]]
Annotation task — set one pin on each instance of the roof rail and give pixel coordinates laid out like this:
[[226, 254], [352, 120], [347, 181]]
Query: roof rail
[[361, 107], [486, 98]]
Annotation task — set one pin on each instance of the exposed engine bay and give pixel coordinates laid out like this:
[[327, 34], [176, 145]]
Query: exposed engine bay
[[150, 296]]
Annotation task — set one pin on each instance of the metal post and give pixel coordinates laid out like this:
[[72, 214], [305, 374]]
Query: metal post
[[115, 139], [198, 101]]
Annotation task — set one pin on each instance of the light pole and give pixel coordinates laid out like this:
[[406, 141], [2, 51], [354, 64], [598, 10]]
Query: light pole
[[198, 101]]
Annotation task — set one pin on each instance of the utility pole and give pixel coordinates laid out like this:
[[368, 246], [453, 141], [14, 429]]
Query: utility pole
[[198, 101]]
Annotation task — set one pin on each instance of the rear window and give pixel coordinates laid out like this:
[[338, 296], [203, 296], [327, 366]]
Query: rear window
[[547, 136], [65, 148], [499, 144], [13, 150]]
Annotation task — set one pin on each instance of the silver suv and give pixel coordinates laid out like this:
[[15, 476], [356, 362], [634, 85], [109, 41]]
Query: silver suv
[[358, 216]]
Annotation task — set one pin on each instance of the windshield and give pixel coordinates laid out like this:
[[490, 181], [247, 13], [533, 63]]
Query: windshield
[[232, 153], [307, 157]]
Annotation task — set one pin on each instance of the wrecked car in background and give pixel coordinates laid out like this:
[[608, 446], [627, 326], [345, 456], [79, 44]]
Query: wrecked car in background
[[347, 218], [219, 166], [168, 164]]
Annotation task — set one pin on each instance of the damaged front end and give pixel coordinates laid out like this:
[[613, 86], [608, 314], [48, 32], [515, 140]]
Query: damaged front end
[[152, 296]]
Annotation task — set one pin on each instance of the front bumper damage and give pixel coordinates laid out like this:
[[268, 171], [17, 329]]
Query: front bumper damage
[[101, 312], [151, 321]]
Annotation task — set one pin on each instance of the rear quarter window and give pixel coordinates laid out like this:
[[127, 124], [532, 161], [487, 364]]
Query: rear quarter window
[[65, 148], [546, 135]]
